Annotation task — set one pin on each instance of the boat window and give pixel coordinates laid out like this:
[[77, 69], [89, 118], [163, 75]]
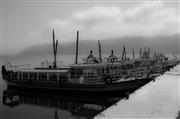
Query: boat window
[[33, 76], [25, 76], [91, 75], [63, 76], [76, 73], [53, 77], [15, 76], [20, 76], [42, 77]]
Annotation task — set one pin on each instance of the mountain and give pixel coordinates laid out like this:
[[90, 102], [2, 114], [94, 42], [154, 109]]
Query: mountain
[[167, 44]]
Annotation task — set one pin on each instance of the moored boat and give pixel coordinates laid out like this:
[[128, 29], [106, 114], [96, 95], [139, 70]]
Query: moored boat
[[93, 75]]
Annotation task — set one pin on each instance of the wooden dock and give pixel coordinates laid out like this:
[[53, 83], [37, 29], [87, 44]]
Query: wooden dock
[[158, 99]]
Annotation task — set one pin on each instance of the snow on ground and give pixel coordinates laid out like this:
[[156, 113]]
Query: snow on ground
[[159, 99]]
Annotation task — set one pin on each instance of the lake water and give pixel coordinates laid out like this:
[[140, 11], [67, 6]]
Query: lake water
[[18, 104]]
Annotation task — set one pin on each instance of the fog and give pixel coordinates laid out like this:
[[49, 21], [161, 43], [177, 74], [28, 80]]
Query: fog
[[165, 44], [25, 24]]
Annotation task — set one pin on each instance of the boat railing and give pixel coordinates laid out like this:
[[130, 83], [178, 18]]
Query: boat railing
[[22, 67], [11, 67]]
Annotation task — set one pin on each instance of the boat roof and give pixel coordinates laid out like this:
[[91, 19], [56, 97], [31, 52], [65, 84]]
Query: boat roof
[[88, 65], [44, 70], [95, 65]]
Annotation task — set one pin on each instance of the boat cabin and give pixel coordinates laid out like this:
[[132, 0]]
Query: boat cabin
[[51, 76], [86, 73]]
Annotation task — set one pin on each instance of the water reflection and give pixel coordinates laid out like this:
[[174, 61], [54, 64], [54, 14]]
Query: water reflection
[[79, 106]]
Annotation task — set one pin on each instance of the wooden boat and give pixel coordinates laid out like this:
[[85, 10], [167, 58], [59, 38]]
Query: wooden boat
[[93, 75], [66, 81]]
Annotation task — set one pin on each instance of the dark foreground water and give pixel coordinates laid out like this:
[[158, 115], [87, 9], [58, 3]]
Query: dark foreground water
[[18, 104], [33, 104]]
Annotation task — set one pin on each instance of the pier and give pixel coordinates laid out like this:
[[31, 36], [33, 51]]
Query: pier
[[158, 99]]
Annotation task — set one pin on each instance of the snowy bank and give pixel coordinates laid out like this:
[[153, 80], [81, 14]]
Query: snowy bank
[[159, 99]]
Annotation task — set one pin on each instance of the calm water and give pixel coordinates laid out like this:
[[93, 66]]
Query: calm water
[[20, 104]]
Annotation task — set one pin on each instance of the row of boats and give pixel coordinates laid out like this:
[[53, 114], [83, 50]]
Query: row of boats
[[93, 74]]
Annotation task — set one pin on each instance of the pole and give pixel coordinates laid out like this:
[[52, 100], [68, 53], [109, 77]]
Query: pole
[[54, 49], [149, 52], [100, 58], [124, 53], [133, 54], [140, 53], [77, 42], [55, 45]]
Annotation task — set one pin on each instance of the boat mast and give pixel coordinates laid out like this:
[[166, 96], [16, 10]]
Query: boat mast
[[144, 53], [124, 53], [77, 42], [55, 44], [133, 54], [140, 53], [112, 52], [100, 58], [148, 52]]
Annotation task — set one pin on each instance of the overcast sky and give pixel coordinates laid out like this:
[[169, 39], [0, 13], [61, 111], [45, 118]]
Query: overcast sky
[[26, 23]]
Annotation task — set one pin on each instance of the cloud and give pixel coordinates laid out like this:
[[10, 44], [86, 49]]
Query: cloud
[[104, 22], [97, 14]]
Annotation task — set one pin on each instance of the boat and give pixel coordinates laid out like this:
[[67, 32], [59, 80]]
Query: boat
[[93, 75]]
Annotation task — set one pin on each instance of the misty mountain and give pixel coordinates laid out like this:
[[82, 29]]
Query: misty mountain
[[167, 44]]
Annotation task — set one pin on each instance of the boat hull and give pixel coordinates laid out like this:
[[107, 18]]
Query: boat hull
[[116, 86]]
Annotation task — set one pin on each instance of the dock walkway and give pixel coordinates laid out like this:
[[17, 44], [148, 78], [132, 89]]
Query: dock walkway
[[158, 99]]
